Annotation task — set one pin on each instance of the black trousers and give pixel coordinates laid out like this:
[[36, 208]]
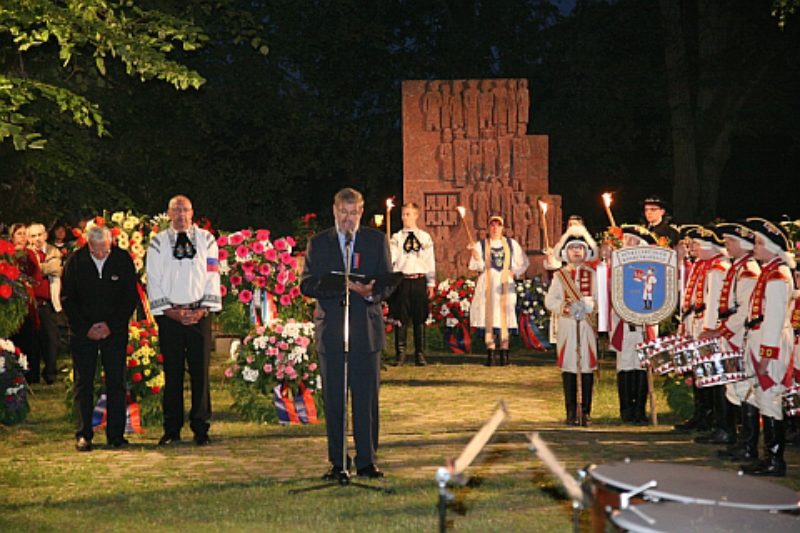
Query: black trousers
[[48, 340], [363, 380], [26, 339], [409, 304], [84, 364], [185, 346]]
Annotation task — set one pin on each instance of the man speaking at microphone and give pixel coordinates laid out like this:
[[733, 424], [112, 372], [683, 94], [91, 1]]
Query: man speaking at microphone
[[369, 252]]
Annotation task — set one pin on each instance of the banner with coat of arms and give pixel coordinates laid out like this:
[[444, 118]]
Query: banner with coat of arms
[[644, 283]]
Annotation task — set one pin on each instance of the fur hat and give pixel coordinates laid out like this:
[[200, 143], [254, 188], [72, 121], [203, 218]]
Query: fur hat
[[576, 233]]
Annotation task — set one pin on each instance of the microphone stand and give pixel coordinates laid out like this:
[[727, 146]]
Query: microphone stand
[[344, 474]]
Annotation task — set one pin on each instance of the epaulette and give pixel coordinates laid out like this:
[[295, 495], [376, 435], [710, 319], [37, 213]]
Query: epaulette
[[777, 275], [748, 274]]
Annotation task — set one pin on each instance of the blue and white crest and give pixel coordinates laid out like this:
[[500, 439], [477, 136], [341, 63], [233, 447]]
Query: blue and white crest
[[644, 283]]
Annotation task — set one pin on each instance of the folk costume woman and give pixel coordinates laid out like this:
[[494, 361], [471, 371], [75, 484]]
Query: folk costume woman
[[571, 298], [493, 307]]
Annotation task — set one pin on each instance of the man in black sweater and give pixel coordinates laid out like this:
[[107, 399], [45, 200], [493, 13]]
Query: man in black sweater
[[99, 295]]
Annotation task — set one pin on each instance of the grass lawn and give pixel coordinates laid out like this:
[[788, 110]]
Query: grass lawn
[[241, 481]]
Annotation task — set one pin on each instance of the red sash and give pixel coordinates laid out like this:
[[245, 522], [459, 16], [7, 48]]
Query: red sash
[[757, 299]]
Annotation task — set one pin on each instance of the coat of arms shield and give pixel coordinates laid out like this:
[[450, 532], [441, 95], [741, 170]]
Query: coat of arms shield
[[644, 283]]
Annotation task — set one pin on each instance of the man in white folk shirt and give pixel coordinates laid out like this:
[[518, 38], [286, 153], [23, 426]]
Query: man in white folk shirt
[[499, 259], [412, 254], [183, 287]]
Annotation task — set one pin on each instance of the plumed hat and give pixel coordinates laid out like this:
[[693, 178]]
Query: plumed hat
[[639, 231]]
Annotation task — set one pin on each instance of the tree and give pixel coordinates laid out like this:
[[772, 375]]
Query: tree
[[105, 30]]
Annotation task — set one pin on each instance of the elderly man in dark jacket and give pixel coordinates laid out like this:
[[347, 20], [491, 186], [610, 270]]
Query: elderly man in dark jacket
[[99, 296]]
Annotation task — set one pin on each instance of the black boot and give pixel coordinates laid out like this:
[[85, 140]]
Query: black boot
[[570, 397], [630, 398], [774, 444], [400, 345], [489, 357], [701, 415], [724, 432], [751, 422], [503, 357], [640, 401], [621, 394], [587, 382], [419, 342]]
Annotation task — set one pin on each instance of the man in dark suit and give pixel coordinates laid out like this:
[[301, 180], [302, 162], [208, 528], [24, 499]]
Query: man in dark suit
[[370, 257], [99, 296]]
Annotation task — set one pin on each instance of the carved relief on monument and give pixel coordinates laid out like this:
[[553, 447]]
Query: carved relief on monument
[[465, 143]]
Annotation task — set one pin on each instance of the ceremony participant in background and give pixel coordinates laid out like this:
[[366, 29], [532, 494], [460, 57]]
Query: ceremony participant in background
[[623, 338], [325, 254], [183, 289], [770, 340], [571, 298], [700, 311], [793, 424], [99, 296], [737, 287], [657, 220], [27, 338], [47, 294], [499, 259], [412, 254]]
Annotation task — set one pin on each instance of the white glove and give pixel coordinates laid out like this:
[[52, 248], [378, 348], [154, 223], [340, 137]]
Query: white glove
[[578, 310]]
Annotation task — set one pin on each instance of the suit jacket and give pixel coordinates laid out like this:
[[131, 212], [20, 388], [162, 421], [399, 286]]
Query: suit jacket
[[370, 257], [88, 298]]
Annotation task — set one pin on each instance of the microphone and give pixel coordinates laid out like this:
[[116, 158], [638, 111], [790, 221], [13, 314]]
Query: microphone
[[348, 238]]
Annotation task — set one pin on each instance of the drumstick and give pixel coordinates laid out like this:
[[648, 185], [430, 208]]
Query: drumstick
[[539, 447], [653, 410], [480, 439]]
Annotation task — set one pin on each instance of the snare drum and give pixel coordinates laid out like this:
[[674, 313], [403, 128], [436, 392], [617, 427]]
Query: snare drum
[[791, 401], [718, 369], [683, 357], [658, 353]]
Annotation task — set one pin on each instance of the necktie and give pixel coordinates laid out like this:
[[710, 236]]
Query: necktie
[[411, 243], [184, 249]]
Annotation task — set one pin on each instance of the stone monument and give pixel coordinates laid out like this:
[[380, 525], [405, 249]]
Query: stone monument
[[466, 143]]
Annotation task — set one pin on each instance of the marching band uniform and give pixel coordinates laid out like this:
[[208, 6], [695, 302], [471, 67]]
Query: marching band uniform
[[699, 311], [737, 288], [412, 254], [183, 272], [770, 338], [711, 247], [493, 306], [571, 298], [623, 339]]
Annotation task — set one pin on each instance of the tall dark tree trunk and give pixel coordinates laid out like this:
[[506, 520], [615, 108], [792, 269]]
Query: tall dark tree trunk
[[685, 187]]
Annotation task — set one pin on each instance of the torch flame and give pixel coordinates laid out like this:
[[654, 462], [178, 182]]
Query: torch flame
[[389, 203], [378, 220], [543, 206], [607, 199], [462, 211]]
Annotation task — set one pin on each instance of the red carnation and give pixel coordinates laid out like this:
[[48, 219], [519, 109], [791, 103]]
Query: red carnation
[[155, 389], [132, 363], [129, 350], [137, 377], [160, 358], [5, 291]]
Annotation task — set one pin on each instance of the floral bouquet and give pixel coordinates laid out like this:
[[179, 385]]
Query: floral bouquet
[[13, 295], [145, 369], [277, 359], [450, 311], [259, 280], [13, 364], [129, 231], [533, 317]]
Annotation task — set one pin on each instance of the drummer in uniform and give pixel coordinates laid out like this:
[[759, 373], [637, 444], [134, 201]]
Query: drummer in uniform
[[737, 287], [571, 298], [699, 311], [623, 339], [711, 248], [183, 287], [770, 340], [499, 259], [794, 422], [412, 254]]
